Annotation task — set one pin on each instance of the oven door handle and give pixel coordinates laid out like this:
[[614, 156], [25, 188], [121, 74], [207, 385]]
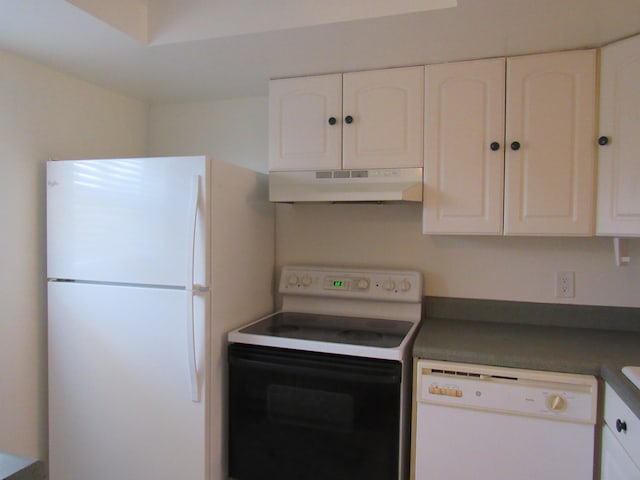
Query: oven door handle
[[362, 374]]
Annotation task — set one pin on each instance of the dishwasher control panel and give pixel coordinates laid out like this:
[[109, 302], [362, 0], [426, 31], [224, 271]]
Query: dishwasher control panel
[[558, 396], [450, 392]]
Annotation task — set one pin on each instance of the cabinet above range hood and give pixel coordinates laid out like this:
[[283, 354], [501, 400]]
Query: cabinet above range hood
[[352, 137], [372, 185]]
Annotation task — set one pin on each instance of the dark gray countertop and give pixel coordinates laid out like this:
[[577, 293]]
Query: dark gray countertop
[[565, 340], [13, 467]]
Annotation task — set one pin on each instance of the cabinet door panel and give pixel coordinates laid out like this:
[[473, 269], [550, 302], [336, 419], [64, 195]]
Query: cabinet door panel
[[463, 176], [387, 111], [618, 161], [549, 180], [300, 135], [616, 463]]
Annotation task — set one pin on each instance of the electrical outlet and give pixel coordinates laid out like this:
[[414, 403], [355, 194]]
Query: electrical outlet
[[564, 284]]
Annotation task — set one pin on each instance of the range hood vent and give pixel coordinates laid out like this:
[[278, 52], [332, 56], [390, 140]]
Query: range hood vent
[[373, 185]]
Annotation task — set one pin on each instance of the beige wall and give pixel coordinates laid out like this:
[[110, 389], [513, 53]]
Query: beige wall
[[229, 130], [504, 268], [43, 114], [507, 268]]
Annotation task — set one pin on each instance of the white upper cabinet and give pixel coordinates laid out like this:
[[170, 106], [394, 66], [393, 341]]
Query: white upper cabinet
[[618, 211], [464, 154], [550, 131], [370, 119], [542, 153], [305, 131], [386, 112]]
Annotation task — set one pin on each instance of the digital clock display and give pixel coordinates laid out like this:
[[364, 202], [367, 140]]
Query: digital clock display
[[336, 283]]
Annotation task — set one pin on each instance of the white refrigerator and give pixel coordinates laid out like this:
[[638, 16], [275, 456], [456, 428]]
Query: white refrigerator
[[150, 261]]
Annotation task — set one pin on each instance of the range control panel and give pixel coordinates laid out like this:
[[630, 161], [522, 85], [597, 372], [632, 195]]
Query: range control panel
[[393, 285]]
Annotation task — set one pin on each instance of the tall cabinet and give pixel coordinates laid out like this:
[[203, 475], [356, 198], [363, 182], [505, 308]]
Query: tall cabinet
[[618, 210], [525, 126], [550, 129], [370, 119], [464, 147]]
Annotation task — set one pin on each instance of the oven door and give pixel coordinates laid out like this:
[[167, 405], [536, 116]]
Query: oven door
[[308, 415]]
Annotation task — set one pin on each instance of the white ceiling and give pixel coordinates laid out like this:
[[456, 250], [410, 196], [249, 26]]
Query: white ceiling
[[193, 50]]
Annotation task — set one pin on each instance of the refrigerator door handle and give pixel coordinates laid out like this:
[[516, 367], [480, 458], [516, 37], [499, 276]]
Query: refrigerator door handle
[[191, 333], [191, 233], [191, 350]]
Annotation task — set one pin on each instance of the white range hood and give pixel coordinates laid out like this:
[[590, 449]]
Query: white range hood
[[373, 185]]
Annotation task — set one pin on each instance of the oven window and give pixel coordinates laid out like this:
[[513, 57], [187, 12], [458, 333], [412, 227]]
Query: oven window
[[306, 415], [310, 408]]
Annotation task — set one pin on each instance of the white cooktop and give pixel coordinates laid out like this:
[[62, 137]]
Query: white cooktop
[[345, 311], [633, 374]]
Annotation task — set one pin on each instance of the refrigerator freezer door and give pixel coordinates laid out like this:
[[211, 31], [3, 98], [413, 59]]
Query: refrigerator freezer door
[[128, 220], [120, 397]]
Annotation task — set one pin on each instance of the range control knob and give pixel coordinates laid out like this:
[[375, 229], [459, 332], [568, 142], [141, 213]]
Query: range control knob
[[306, 280], [363, 284], [389, 285], [404, 285], [556, 403], [292, 279]]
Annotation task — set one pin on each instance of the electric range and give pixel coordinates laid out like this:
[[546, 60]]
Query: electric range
[[321, 388]]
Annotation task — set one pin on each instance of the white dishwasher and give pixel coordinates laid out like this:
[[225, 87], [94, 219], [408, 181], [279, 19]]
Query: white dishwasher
[[491, 423]]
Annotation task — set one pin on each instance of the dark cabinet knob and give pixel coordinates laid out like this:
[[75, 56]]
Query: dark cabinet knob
[[348, 119], [603, 140], [495, 146], [515, 145], [621, 426], [332, 120]]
